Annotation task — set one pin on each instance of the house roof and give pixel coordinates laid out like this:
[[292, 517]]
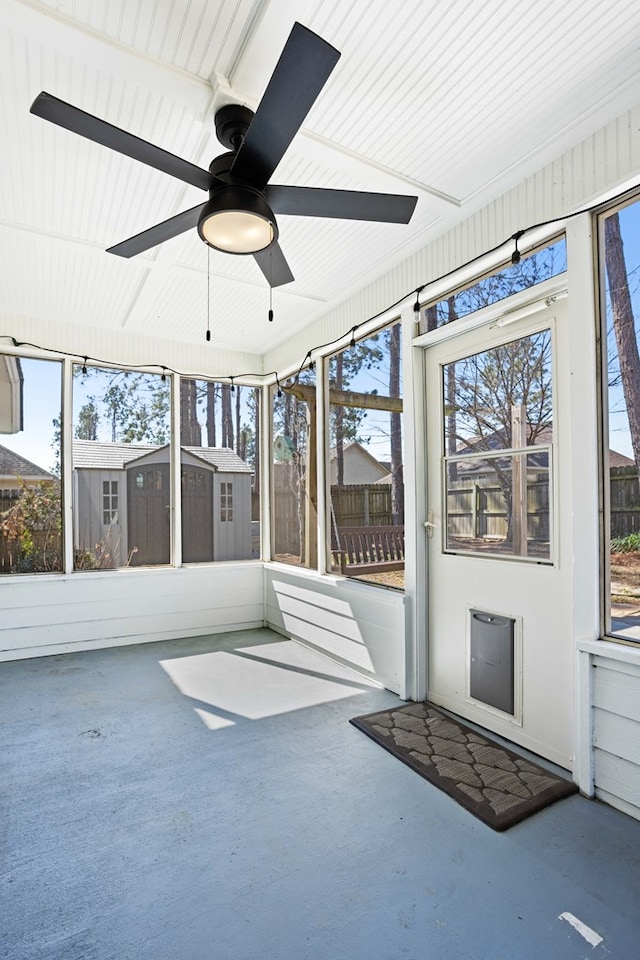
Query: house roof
[[95, 455], [13, 465], [619, 460], [357, 448]]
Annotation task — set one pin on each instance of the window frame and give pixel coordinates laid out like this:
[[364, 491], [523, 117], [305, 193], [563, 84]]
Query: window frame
[[599, 217]]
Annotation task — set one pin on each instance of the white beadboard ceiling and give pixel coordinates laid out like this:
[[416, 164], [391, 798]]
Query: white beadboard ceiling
[[454, 101]]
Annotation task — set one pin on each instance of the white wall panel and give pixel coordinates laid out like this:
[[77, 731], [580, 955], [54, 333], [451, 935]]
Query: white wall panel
[[616, 727], [361, 626], [50, 614]]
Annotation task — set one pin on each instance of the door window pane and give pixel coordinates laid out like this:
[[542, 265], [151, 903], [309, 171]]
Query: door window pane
[[497, 405]]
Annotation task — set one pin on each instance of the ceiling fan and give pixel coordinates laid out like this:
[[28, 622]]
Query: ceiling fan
[[239, 216]]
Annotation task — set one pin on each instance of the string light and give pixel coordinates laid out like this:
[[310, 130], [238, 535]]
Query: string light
[[515, 258], [164, 374], [416, 306], [233, 389]]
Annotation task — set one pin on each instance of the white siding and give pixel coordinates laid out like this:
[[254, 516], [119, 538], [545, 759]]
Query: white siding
[[88, 513], [616, 730], [46, 615], [361, 626]]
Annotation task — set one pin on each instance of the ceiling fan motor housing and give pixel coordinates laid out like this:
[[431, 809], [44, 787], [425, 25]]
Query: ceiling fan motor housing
[[232, 122]]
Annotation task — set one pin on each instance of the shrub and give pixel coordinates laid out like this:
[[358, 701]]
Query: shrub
[[628, 544]]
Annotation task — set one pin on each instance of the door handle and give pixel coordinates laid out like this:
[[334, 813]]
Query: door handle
[[429, 524]]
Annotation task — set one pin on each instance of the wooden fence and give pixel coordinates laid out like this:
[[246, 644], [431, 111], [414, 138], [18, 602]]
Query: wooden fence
[[624, 498], [354, 505], [477, 509]]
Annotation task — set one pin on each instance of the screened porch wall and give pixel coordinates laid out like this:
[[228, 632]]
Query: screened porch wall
[[54, 614]]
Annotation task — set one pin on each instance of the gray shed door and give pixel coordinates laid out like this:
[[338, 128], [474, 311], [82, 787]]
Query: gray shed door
[[149, 514], [197, 514]]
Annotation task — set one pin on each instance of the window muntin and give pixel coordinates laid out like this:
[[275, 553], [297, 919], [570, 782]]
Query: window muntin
[[533, 268], [620, 316], [109, 502], [497, 406], [226, 502], [366, 508], [30, 465]]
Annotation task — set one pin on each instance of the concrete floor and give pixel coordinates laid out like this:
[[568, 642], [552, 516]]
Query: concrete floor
[[208, 800]]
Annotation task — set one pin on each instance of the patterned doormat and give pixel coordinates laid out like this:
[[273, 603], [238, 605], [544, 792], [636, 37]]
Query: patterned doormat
[[492, 782]]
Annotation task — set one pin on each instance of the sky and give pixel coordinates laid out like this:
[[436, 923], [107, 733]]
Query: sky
[[42, 404]]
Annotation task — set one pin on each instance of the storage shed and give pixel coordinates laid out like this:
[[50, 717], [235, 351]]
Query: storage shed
[[122, 493]]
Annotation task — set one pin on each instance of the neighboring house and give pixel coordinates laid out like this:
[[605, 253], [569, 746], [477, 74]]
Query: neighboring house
[[122, 500], [14, 470], [536, 459], [360, 466], [11, 394], [619, 460]]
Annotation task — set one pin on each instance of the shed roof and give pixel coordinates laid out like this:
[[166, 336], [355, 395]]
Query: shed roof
[[96, 455]]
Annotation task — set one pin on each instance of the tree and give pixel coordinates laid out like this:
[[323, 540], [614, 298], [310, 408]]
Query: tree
[[190, 432], [624, 328], [87, 422], [227, 416], [133, 406], [211, 413], [33, 526], [338, 420], [395, 428], [56, 446]]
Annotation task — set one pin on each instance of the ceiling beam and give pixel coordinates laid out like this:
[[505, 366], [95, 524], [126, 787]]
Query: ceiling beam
[[66, 36]]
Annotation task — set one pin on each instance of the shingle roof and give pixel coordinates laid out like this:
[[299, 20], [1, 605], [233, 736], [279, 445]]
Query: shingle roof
[[13, 465], [95, 455]]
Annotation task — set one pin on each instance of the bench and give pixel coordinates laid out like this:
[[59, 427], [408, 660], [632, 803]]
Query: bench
[[359, 550]]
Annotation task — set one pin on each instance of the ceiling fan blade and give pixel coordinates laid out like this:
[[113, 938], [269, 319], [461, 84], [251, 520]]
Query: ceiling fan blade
[[86, 125], [273, 265], [300, 74], [341, 204], [158, 234]]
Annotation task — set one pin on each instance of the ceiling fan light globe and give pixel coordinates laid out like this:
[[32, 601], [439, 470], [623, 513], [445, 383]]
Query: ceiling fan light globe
[[236, 220], [235, 231]]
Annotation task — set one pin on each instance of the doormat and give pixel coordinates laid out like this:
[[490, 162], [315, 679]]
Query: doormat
[[497, 785]]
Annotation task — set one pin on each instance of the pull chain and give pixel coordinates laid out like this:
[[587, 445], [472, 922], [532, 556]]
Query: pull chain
[[208, 294]]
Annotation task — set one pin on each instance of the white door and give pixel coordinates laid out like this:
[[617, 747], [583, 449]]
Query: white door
[[499, 525]]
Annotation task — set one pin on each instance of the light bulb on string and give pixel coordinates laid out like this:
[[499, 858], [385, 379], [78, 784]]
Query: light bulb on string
[[516, 255]]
